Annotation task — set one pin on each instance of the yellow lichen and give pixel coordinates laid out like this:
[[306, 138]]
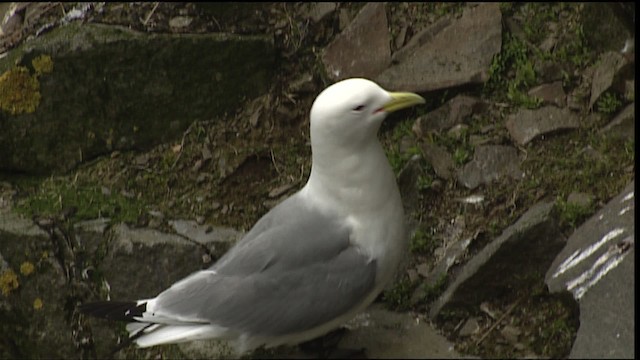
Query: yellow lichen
[[42, 64], [27, 268], [19, 91], [38, 304], [8, 282]]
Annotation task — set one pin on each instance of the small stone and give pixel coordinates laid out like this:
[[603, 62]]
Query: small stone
[[180, 22], [206, 153], [423, 270], [470, 327], [510, 333], [156, 214], [458, 131], [413, 275], [320, 10], [196, 167], [280, 190], [550, 93], [580, 199]]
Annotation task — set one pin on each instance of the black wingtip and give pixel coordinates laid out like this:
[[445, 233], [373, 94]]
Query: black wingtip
[[114, 310]]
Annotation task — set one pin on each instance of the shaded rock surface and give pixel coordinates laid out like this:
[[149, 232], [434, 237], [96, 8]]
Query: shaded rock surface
[[606, 74], [524, 250], [112, 88], [552, 93], [362, 49], [390, 335], [623, 125], [454, 111], [597, 267], [458, 54], [490, 162], [526, 125]]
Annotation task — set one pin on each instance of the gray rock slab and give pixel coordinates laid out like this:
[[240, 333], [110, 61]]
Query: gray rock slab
[[597, 267], [490, 163], [362, 49], [33, 315], [454, 111], [606, 72], [13, 223], [205, 234], [552, 93], [527, 124], [440, 160], [142, 262], [113, 88], [319, 10], [524, 250], [623, 125], [458, 54], [391, 335]]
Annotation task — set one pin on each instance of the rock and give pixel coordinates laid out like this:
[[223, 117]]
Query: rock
[[180, 22], [603, 28], [420, 39], [523, 251], [623, 125], [320, 10], [115, 104], [280, 190], [99, 225], [550, 94], [386, 334], [606, 74], [204, 235], [510, 333], [454, 111], [470, 327], [35, 320], [13, 223], [458, 131], [597, 268], [490, 162], [440, 160], [547, 70], [362, 49], [526, 124], [458, 54], [580, 199]]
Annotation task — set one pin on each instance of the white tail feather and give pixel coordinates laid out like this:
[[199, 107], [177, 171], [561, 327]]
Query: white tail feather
[[168, 334]]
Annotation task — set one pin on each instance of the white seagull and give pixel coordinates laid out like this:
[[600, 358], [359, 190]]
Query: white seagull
[[309, 264]]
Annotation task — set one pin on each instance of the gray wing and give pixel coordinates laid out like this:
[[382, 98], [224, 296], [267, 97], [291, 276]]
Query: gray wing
[[296, 269]]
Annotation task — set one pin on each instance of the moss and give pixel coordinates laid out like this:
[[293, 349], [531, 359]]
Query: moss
[[8, 282], [42, 64], [87, 200], [609, 103], [398, 297], [38, 304], [421, 242], [27, 268], [19, 91]]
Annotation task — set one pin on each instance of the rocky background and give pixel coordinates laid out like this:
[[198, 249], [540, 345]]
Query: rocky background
[[139, 140]]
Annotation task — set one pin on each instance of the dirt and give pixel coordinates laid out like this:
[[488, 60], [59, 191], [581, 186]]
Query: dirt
[[222, 172]]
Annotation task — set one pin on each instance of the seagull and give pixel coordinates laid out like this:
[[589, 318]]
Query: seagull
[[312, 262]]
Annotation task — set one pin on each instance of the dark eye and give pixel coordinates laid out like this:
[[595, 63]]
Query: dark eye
[[358, 108]]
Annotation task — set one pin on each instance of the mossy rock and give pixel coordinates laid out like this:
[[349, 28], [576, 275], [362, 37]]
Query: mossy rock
[[116, 89]]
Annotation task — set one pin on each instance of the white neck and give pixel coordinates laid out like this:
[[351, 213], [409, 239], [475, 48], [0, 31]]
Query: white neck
[[358, 177]]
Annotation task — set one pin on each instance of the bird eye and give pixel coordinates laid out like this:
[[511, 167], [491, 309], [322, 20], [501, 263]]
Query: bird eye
[[358, 108]]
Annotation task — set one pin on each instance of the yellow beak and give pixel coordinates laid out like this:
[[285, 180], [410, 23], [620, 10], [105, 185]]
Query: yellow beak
[[401, 100]]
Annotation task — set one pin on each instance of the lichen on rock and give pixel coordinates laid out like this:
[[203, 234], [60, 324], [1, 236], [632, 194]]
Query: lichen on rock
[[19, 91]]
